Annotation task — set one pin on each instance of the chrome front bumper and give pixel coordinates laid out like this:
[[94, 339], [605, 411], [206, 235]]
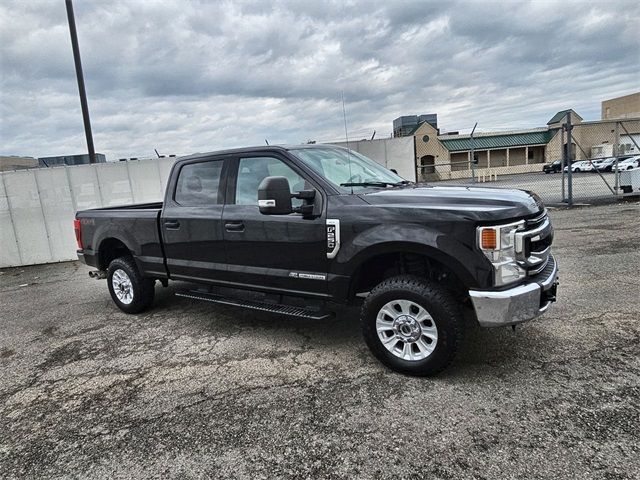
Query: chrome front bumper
[[518, 304]]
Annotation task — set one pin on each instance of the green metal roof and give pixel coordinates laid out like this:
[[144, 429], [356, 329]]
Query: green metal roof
[[498, 141], [558, 117]]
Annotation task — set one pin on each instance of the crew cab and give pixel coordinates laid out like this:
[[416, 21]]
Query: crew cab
[[302, 230]]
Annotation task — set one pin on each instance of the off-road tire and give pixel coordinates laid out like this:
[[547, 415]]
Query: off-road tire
[[438, 302], [143, 288]]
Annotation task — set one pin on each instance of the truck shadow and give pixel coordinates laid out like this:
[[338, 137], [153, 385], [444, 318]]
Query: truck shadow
[[481, 351]]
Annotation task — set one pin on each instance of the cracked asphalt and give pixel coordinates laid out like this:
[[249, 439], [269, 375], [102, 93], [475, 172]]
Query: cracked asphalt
[[196, 390]]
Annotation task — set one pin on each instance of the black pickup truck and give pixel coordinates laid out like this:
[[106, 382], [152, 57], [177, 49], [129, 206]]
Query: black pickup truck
[[301, 230]]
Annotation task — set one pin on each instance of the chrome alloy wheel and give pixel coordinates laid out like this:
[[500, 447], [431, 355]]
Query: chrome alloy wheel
[[407, 330], [122, 287]]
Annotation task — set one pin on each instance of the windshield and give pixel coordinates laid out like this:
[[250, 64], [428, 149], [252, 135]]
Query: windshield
[[340, 166]]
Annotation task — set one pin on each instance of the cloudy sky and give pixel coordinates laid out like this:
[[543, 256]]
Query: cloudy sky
[[187, 76]]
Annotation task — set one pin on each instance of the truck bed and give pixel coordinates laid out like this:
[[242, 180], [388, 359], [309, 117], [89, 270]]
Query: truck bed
[[135, 206], [133, 225]]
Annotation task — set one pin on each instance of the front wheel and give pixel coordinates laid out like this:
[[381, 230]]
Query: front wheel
[[411, 325], [130, 291]]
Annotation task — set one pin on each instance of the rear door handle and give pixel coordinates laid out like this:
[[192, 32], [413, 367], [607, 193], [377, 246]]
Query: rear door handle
[[234, 226], [172, 224]]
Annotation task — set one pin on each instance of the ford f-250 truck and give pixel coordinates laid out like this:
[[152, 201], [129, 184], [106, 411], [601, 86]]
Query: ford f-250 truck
[[299, 230]]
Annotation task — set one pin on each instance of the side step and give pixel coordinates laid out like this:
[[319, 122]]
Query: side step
[[279, 309]]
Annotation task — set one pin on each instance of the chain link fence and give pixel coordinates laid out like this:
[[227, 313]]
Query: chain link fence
[[597, 152]]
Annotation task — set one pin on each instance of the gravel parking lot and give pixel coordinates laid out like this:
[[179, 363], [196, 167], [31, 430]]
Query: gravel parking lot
[[196, 390]]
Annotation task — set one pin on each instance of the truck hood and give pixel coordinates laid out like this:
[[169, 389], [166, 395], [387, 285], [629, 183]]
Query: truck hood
[[479, 203]]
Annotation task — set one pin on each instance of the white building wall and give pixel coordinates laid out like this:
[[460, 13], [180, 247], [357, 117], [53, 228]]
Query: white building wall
[[628, 144], [397, 153]]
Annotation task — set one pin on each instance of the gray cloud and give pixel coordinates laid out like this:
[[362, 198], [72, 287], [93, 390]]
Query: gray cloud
[[189, 76]]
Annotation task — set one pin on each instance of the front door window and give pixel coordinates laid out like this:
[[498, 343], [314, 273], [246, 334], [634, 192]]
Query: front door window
[[251, 172]]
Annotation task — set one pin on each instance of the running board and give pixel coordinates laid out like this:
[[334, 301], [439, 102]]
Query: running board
[[279, 309]]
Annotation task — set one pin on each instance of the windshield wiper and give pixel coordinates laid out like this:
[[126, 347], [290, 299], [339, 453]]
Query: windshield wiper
[[376, 184]]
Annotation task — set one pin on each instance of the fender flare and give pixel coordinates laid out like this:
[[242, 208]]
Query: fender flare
[[106, 232], [462, 259]]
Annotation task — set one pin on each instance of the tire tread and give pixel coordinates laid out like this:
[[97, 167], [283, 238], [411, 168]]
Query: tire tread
[[144, 289], [436, 295]]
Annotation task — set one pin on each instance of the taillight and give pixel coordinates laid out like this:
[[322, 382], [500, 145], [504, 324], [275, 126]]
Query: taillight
[[76, 228]]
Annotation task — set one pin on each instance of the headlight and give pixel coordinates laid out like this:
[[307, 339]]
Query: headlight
[[498, 245]]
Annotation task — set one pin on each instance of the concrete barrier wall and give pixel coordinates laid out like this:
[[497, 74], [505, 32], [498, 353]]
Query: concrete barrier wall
[[396, 153], [37, 207]]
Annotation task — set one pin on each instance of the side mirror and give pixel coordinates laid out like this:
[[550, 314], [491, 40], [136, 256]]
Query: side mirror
[[274, 196]]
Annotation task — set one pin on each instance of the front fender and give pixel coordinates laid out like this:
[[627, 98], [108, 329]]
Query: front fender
[[468, 264]]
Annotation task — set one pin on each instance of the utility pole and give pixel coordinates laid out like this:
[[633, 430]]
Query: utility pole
[[473, 158], [80, 78]]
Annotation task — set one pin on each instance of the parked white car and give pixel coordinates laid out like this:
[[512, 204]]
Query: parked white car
[[580, 166], [594, 165], [607, 165], [629, 163]]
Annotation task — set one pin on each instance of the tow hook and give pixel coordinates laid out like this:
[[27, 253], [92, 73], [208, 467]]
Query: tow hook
[[98, 274], [550, 295]]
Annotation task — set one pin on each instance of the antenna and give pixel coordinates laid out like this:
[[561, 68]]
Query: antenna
[[266, 141], [156, 150], [346, 136]]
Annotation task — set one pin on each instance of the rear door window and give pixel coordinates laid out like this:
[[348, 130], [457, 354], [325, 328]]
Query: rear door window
[[199, 184]]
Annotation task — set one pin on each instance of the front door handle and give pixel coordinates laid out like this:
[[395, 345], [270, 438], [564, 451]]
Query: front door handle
[[172, 224], [234, 226]]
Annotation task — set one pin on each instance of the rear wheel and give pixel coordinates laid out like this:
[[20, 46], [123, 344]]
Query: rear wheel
[[130, 291], [412, 325]]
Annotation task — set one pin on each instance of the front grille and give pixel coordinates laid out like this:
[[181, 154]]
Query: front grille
[[531, 271], [536, 221], [533, 244], [538, 246], [548, 269]]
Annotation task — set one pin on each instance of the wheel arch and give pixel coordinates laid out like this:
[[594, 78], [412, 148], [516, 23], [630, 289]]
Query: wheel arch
[[378, 262], [111, 248]]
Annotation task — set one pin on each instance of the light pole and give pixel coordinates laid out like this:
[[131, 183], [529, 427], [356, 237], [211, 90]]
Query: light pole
[[80, 77]]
